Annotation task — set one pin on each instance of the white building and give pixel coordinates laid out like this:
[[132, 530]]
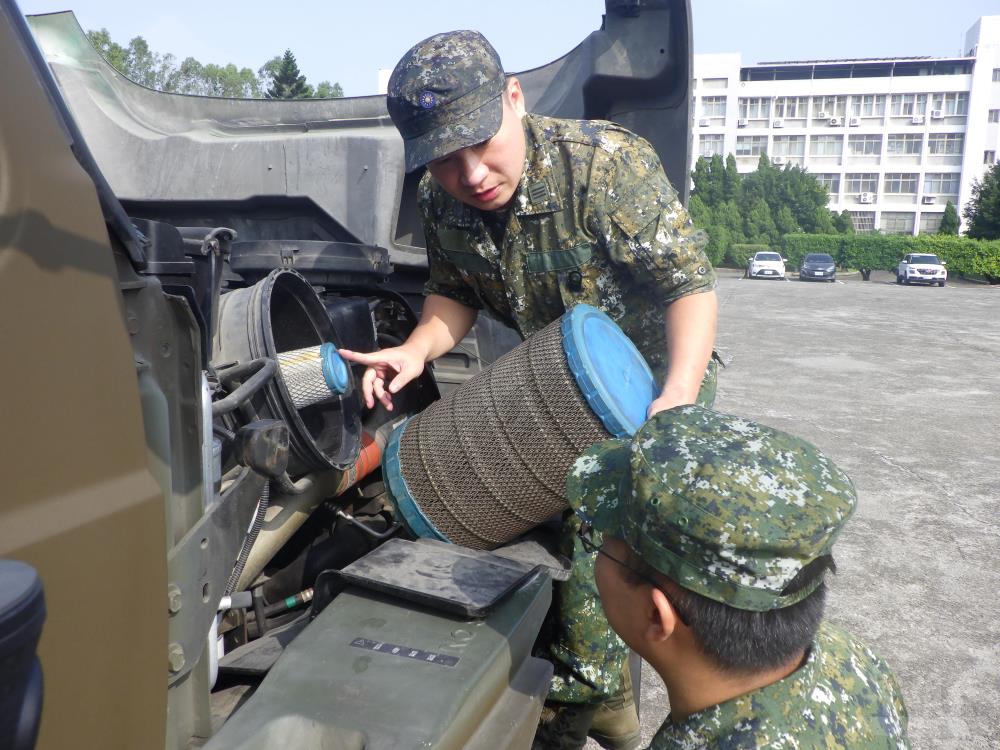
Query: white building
[[893, 139]]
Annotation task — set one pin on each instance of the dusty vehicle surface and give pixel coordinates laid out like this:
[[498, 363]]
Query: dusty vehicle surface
[[187, 511], [921, 268]]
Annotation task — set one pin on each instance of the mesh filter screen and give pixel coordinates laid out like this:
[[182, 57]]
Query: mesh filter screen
[[488, 461], [302, 371]]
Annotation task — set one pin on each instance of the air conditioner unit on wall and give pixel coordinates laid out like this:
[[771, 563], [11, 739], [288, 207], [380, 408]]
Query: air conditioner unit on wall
[[917, 119], [854, 122], [704, 122], [937, 114], [777, 123], [742, 122], [836, 122], [866, 198], [778, 160], [821, 115], [929, 200]]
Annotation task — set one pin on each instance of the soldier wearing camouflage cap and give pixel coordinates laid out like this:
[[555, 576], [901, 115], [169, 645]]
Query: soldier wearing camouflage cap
[[527, 216], [715, 534]]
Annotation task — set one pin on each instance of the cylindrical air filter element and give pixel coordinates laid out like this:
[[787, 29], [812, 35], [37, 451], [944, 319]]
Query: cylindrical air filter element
[[314, 374], [489, 460]]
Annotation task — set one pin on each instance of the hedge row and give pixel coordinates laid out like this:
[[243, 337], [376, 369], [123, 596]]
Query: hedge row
[[869, 252], [736, 255]]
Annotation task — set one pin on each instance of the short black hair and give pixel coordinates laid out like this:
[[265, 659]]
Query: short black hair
[[740, 641]]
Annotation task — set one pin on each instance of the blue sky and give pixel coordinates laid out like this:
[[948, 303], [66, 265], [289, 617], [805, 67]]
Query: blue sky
[[349, 41]]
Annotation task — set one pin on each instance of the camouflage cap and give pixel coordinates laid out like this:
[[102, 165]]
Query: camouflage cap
[[444, 95], [720, 505]]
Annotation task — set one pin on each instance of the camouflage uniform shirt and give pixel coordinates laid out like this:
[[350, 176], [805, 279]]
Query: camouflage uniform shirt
[[844, 696], [594, 220]]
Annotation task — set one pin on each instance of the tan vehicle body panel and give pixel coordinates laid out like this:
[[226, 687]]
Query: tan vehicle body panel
[[78, 501]]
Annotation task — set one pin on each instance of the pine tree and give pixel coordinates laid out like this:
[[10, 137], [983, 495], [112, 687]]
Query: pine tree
[[949, 220], [983, 210], [288, 83]]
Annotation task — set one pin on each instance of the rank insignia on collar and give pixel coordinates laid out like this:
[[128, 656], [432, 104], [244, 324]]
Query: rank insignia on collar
[[538, 192]]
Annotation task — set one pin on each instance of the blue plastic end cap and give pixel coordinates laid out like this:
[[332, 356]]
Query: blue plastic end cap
[[612, 375], [406, 506], [335, 371]]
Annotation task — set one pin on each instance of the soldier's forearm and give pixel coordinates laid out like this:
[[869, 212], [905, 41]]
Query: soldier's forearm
[[443, 323], [690, 322]]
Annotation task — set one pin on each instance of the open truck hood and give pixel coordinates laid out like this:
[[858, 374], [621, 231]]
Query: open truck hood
[[333, 169]]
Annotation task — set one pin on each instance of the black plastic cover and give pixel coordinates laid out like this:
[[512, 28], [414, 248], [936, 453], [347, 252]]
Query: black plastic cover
[[323, 263], [22, 612], [445, 577]]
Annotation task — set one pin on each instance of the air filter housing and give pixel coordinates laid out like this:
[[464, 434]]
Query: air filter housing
[[314, 393], [489, 460]]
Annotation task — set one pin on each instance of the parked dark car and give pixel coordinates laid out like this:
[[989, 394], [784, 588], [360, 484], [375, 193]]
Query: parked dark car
[[818, 267]]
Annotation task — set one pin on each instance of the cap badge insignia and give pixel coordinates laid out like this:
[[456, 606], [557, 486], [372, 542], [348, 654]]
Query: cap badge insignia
[[427, 100]]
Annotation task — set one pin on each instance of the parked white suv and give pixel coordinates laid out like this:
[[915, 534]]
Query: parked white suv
[[766, 266], [920, 268]]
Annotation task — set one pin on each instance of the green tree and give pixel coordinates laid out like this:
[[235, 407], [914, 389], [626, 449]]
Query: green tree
[[708, 180], [141, 64], [288, 83], [843, 222], [982, 212], [110, 50], [731, 180], [949, 220], [327, 90]]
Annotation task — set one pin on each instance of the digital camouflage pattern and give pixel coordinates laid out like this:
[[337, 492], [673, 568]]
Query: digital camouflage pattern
[[726, 507], [444, 95], [587, 654], [844, 696], [594, 220]]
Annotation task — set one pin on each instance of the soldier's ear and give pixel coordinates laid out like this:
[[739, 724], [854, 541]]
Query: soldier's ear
[[515, 97], [661, 618]]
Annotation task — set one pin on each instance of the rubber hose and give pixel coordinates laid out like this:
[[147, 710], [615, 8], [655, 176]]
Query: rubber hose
[[255, 527]]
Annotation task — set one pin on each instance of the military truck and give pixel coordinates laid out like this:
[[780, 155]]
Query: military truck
[[179, 518]]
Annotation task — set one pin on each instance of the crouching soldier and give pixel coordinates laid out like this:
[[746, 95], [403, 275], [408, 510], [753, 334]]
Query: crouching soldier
[[715, 535]]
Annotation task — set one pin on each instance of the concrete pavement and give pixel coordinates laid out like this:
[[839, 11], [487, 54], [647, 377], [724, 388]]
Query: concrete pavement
[[901, 386]]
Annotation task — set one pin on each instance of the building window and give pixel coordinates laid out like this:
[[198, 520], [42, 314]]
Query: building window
[[864, 221], [715, 83], [826, 145], [869, 105], [897, 222], [831, 181], [789, 145], [901, 183], [791, 107], [751, 145], [710, 145], [864, 145], [989, 157], [861, 182], [955, 103], [930, 223], [829, 106], [755, 108], [901, 144], [945, 143], [994, 116], [941, 183], [906, 105], [996, 75], [713, 106]]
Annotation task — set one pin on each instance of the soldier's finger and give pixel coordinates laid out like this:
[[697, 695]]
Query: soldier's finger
[[367, 386]]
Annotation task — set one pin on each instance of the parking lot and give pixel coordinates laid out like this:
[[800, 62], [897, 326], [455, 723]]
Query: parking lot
[[900, 386]]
